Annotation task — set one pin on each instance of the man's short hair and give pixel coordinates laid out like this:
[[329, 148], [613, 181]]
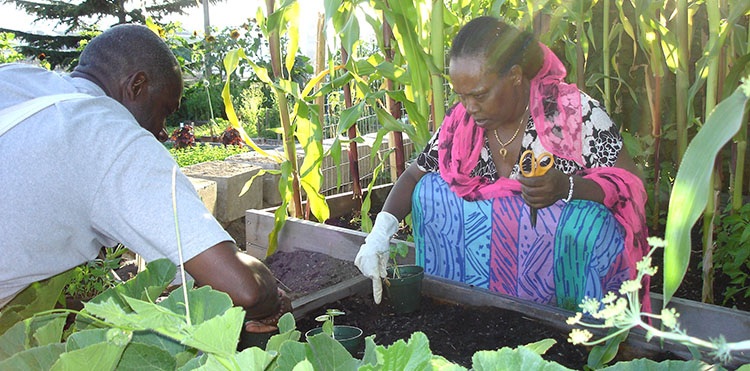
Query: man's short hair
[[125, 49]]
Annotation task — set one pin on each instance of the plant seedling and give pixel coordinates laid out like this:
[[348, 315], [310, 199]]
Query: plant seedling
[[400, 249], [327, 320]]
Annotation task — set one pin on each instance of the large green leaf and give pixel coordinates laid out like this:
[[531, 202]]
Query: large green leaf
[[156, 317], [50, 331], [100, 356], [13, 341], [113, 313], [328, 354], [148, 284], [412, 355], [143, 357], [218, 335], [288, 333], [39, 358], [649, 365], [304, 365], [38, 297], [691, 186], [520, 358], [194, 363], [290, 354], [205, 303], [82, 339], [371, 352], [249, 359], [177, 350]]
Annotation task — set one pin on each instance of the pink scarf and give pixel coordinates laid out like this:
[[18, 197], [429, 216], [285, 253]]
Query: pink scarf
[[625, 196], [556, 110]]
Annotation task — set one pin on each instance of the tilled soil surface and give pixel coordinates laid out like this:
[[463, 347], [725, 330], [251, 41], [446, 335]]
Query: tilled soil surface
[[455, 331], [303, 272]]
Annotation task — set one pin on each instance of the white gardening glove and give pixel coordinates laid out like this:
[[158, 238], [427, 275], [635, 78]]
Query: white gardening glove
[[372, 257]]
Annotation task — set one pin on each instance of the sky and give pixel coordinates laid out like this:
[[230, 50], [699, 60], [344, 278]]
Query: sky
[[224, 14]]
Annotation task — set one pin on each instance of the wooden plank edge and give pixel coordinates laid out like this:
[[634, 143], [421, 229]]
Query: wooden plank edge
[[317, 300]]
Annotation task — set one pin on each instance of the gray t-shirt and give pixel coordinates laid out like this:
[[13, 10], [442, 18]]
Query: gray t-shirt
[[82, 174]]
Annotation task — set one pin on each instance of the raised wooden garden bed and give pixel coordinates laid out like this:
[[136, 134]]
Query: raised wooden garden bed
[[697, 319]]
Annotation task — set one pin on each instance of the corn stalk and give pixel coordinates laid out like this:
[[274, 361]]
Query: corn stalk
[[437, 46], [682, 79], [352, 132], [741, 141], [393, 107], [302, 123], [416, 76], [274, 44], [714, 20], [605, 55]]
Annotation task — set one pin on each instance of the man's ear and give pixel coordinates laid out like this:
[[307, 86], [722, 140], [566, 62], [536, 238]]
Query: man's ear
[[137, 84]]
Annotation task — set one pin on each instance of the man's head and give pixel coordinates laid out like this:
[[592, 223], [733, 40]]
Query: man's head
[[136, 68]]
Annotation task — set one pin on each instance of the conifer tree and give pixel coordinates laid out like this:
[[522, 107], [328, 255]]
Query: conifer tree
[[81, 20]]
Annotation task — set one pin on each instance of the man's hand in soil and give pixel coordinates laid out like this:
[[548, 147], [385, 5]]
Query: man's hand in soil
[[246, 279], [270, 323], [372, 257]]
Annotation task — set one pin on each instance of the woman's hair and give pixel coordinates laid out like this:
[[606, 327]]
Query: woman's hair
[[501, 44]]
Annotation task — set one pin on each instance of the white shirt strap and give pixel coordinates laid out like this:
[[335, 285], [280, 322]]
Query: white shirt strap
[[11, 116]]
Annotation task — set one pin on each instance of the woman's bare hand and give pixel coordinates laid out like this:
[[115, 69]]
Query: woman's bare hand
[[544, 190]]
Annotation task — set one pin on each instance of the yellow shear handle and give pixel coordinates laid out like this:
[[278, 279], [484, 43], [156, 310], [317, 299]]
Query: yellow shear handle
[[536, 168]]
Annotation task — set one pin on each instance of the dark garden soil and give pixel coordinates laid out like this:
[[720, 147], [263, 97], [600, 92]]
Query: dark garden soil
[[303, 272], [455, 331]]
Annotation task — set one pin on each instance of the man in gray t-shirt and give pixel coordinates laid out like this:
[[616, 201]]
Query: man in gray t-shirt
[[89, 172]]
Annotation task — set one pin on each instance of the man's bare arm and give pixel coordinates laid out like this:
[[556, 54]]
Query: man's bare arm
[[246, 279]]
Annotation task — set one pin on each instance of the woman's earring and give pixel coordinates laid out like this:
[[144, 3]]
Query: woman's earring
[[517, 82]]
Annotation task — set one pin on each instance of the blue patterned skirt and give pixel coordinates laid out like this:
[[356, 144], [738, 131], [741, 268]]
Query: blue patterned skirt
[[575, 251]]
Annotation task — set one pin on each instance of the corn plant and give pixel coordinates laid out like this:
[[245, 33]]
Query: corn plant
[[693, 187], [301, 123]]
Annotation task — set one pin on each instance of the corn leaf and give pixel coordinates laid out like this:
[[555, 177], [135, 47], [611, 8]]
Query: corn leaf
[[691, 186], [285, 190]]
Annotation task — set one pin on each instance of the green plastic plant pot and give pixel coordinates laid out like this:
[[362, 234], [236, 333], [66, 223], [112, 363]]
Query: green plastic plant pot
[[405, 293], [249, 340], [349, 336]]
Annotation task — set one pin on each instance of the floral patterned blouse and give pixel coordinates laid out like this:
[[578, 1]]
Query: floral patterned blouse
[[602, 144]]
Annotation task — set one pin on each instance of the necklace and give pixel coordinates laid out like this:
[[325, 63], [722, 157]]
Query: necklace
[[504, 151]]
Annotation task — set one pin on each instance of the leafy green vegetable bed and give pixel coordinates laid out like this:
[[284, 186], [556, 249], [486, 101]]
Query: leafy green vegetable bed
[[204, 152]]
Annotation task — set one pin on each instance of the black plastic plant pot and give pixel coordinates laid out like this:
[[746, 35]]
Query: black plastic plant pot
[[349, 336], [405, 293], [249, 340]]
